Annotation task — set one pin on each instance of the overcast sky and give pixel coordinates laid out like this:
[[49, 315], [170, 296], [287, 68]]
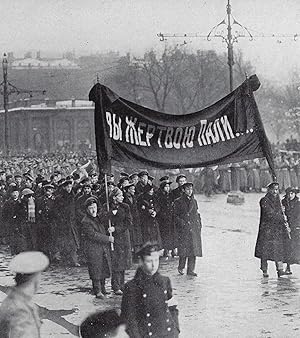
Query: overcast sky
[[131, 25]]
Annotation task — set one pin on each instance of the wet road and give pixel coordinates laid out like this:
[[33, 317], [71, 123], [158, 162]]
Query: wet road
[[229, 298]]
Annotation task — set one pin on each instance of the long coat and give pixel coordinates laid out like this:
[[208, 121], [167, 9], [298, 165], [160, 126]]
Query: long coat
[[97, 248], [46, 225], [165, 219], [292, 246], [271, 233], [149, 224], [19, 316], [144, 307], [66, 218], [135, 231], [122, 221], [17, 241], [188, 225]]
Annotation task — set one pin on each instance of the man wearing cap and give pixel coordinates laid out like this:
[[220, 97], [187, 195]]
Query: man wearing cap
[[272, 231], [188, 225], [19, 316], [165, 216], [177, 192], [45, 219], [26, 221], [145, 303], [97, 247], [291, 206], [120, 221], [9, 217], [142, 183], [136, 237], [67, 227]]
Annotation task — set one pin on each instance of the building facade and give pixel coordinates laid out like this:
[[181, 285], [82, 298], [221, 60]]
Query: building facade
[[43, 129]]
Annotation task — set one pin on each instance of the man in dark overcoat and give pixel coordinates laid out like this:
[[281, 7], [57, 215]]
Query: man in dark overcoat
[[120, 221], [165, 217], [272, 231], [46, 225], [10, 219], [67, 228], [145, 304], [291, 205], [177, 192], [188, 225], [136, 237], [97, 247]]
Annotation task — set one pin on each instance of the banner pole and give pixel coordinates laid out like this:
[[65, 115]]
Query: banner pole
[[107, 203]]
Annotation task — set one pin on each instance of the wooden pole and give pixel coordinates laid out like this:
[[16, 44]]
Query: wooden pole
[[107, 203]]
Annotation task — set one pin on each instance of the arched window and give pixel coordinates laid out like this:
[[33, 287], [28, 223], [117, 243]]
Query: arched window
[[63, 132], [84, 134]]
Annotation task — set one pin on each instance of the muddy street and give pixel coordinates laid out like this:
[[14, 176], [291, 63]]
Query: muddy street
[[229, 298]]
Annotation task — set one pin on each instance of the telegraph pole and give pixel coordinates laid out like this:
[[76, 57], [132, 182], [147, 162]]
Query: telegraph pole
[[229, 46], [9, 89], [219, 31], [5, 104]]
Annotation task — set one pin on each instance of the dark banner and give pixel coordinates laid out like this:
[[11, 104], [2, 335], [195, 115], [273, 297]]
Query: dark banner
[[135, 136]]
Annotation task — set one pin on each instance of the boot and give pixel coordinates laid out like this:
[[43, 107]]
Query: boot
[[281, 273]]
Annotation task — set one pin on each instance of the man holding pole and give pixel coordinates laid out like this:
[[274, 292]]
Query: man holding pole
[[96, 247], [273, 229]]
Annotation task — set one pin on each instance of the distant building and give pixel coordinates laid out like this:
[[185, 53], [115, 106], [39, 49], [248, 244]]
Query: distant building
[[51, 126], [29, 62]]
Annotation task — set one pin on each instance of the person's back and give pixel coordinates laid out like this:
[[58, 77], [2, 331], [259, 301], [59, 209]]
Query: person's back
[[19, 316]]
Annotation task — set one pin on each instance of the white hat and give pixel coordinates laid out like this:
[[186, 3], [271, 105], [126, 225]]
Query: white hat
[[29, 262]]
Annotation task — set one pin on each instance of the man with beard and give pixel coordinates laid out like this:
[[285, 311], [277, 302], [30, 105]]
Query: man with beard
[[291, 205], [46, 225], [66, 218], [165, 217], [97, 248], [272, 231], [176, 193], [188, 225], [135, 231], [9, 216]]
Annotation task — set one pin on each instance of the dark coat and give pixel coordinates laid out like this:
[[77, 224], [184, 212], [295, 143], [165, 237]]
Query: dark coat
[[292, 246], [176, 193], [149, 224], [188, 225], [66, 217], [97, 247], [271, 233], [165, 219], [16, 232], [144, 306], [122, 221], [135, 231], [46, 225]]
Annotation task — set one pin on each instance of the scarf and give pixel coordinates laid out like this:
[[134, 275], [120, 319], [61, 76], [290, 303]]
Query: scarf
[[31, 210]]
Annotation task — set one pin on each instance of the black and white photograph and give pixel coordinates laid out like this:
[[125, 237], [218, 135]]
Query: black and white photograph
[[150, 168]]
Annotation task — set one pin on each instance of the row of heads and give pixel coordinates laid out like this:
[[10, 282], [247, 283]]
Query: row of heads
[[275, 185]]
